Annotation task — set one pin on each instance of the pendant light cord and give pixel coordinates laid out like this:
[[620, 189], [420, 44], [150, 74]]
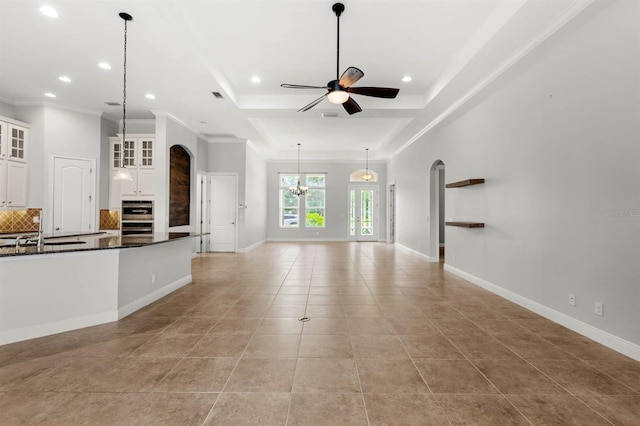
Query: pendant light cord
[[124, 94], [298, 165]]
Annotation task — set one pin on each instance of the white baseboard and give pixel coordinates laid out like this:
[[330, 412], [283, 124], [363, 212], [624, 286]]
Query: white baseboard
[[306, 240], [251, 247], [611, 341], [55, 327], [152, 297], [422, 255]]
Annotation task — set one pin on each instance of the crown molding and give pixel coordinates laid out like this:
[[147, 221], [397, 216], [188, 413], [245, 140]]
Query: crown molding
[[72, 108]]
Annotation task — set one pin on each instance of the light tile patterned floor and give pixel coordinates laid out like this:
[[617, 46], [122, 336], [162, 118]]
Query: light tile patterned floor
[[392, 340]]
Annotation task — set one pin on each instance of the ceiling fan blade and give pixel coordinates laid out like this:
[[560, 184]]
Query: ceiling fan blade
[[351, 106], [376, 92], [301, 86], [350, 76], [312, 104]]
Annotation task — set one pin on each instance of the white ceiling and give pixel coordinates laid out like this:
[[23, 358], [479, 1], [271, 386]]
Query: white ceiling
[[181, 51]]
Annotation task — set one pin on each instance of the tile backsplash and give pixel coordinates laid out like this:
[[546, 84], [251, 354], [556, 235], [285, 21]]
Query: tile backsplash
[[109, 219], [15, 221], [12, 221]]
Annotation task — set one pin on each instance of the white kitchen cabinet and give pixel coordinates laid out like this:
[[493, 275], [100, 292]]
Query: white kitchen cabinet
[[13, 163], [136, 153]]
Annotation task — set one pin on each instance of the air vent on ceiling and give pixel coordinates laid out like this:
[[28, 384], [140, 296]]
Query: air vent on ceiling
[[329, 114], [113, 103], [217, 95]]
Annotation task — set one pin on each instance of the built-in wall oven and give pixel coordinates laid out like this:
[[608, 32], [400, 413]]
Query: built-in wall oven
[[136, 217]]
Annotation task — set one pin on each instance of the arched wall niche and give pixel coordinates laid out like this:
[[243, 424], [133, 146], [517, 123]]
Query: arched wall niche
[[179, 186]]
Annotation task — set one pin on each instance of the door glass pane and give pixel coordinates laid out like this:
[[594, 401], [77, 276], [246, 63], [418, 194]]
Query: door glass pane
[[366, 217], [352, 212]]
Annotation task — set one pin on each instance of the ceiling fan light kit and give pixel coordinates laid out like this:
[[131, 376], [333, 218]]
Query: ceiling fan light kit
[[338, 90], [338, 97]]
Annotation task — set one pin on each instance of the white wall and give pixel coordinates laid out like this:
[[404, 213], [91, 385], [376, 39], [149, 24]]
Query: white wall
[[253, 218], [203, 155], [6, 110], [107, 128], [556, 138], [229, 157], [337, 202]]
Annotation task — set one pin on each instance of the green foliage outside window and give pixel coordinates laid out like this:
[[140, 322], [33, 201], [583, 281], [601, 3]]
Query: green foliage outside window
[[315, 220]]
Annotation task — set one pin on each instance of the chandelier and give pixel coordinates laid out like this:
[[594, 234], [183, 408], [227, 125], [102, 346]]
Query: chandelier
[[298, 190]]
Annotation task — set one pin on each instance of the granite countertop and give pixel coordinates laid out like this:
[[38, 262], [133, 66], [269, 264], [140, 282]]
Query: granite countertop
[[85, 242]]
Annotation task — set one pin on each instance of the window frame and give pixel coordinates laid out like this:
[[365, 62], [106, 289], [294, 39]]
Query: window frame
[[301, 207]]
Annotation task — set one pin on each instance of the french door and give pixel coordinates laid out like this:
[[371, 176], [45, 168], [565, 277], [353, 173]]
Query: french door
[[363, 213]]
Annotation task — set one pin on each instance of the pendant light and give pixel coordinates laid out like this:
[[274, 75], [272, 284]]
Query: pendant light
[[298, 190], [123, 173], [366, 175]]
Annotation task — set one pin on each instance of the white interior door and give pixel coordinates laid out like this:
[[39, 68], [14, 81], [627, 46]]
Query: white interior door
[[222, 207], [364, 219], [73, 198]]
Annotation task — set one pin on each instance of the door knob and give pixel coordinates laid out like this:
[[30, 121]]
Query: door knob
[[58, 228]]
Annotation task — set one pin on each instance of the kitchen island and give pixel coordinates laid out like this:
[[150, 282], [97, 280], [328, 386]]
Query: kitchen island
[[74, 282]]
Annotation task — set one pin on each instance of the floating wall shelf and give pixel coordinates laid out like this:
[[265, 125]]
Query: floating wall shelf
[[466, 182], [466, 224]]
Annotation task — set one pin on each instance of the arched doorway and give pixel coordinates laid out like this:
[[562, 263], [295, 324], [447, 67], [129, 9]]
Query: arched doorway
[[436, 212]]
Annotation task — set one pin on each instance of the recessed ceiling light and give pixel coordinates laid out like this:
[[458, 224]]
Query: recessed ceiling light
[[149, 96], [256, 79], [406, 78], [50, 95], [49, 11], [64, 78], [104, 66]]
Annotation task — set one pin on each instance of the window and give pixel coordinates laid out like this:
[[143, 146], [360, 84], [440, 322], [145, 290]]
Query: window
[[289, 203], [314, 201], [311, 206]]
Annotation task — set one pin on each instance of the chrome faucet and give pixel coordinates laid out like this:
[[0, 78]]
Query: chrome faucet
[[18, 238], [29, 239]]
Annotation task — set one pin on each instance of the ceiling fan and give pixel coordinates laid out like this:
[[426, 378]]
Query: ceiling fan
[[338, 90]]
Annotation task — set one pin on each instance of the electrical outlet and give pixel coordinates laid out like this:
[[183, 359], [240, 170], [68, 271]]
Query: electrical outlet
[[572, 299], [599, 309], [153, 278]]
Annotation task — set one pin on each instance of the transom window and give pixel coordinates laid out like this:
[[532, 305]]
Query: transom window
[[310, 206]]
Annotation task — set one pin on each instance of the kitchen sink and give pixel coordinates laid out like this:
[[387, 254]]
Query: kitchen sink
[[60, 243]]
